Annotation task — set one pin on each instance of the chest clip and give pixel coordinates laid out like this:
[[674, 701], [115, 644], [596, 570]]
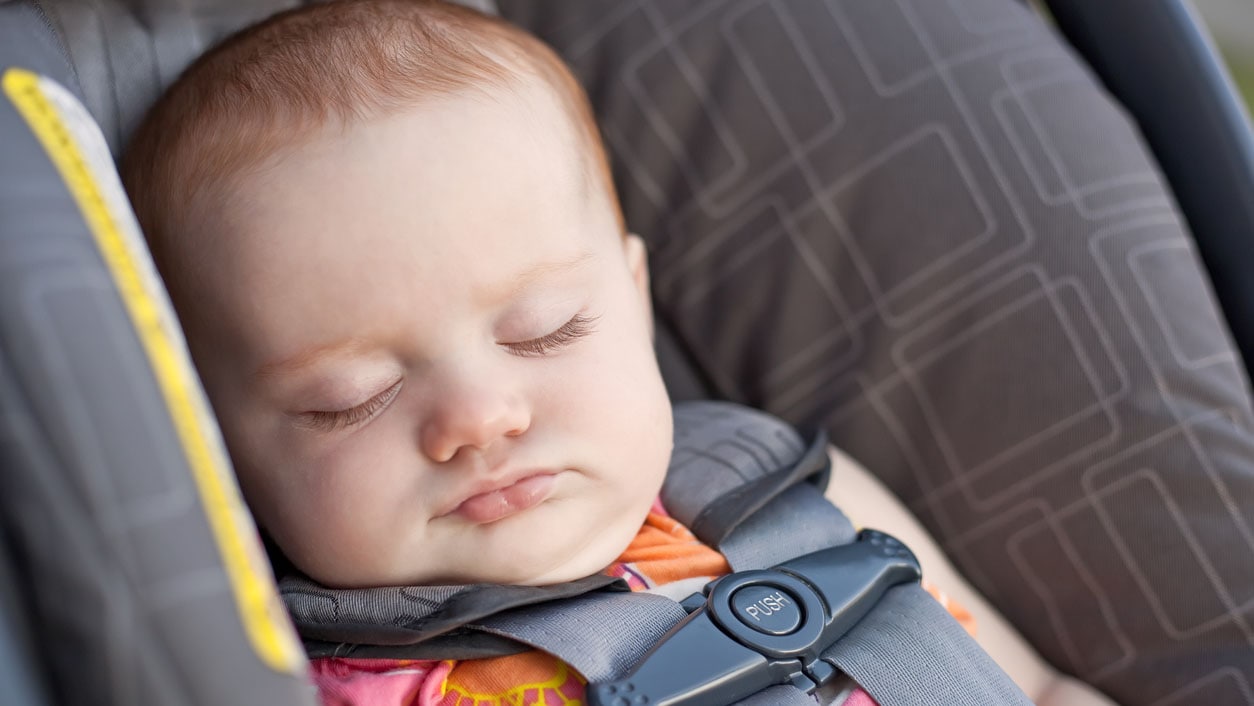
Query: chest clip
[[752, 630]]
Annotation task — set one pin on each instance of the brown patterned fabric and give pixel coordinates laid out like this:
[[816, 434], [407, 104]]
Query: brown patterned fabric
[[923, 226]]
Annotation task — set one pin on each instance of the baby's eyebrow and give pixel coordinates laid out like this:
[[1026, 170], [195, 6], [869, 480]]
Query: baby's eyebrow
[[534, 274], [308, 357]]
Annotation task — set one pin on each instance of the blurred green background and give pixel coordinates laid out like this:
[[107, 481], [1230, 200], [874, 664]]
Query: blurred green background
[[1243, 71], [1232, 23]]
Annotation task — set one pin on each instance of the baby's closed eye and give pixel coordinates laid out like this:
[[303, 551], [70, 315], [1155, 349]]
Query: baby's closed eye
[[577, 327], [331, 420]]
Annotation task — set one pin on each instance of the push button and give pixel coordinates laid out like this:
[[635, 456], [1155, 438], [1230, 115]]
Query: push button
[[767, 609]]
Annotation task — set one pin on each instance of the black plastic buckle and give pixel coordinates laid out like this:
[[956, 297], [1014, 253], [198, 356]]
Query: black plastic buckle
[[757, 629]]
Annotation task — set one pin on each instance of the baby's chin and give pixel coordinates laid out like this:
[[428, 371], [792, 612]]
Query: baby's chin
[[578, 568], [516, 569], [528, 558], [526, 568]]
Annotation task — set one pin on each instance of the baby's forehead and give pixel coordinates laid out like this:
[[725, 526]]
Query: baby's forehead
[[440, 164], [479, 129]]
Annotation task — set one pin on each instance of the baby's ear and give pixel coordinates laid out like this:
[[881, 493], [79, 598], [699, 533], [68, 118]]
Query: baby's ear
[[637, 262]]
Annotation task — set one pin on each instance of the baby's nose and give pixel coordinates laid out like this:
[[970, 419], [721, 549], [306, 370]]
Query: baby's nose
[[471, 417]]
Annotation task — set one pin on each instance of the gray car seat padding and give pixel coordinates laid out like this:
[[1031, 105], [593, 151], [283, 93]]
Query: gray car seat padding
[[20, 674], [922, 225], [122, 572]]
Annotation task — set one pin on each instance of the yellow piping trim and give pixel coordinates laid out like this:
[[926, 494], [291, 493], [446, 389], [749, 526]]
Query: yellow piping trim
[[269, 632]]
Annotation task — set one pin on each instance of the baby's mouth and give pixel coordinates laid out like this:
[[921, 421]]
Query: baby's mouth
[[500, 503]]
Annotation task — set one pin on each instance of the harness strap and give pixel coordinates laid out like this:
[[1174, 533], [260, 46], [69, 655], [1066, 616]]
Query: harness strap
[[796, 522], [910, 649], [580, 632]]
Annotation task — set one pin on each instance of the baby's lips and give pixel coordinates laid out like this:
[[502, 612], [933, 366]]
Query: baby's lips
[[500, 503]]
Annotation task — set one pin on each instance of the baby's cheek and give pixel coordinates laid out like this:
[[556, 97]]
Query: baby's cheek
[[342, 525], [367, 476], [573, 386]]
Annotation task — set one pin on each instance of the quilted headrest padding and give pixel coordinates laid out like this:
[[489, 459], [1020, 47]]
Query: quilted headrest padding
[[126, 52], [924, 226]]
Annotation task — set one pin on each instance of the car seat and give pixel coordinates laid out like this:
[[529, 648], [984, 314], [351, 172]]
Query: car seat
[[923, 225]]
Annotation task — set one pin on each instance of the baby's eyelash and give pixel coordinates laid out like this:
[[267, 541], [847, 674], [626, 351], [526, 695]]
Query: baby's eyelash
[[578, 327], [343, 418]]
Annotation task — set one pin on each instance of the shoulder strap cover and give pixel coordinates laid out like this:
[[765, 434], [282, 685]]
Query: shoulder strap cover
[[729, 461]]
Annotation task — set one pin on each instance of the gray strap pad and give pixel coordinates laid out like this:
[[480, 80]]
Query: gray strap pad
[[408, 615], [729, 461]]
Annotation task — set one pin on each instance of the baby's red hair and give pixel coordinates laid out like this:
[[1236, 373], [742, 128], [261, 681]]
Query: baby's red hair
[[275, 84]]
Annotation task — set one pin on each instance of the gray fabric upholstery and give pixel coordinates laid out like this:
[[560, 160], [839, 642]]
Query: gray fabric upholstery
[[923, 226], [20, 672]]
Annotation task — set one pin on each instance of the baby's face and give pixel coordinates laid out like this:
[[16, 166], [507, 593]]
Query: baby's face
[[429, 348]]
